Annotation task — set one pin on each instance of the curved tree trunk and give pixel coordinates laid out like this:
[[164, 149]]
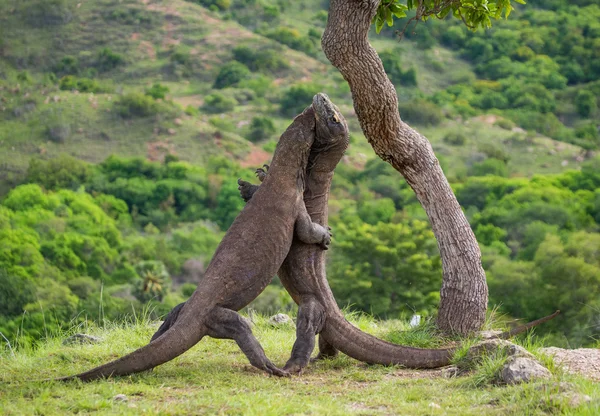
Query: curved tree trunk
[[345, 42]]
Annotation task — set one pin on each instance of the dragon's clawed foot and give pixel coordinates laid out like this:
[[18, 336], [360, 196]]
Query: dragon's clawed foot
[[293, 368], [324, 244], [246, 189], [261, 173], [276, 371]]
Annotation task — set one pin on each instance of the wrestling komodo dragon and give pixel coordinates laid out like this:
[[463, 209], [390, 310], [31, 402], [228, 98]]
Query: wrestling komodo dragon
[[245, 261], [303, 271]]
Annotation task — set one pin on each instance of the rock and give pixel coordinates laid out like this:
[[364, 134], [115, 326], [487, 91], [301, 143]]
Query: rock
[[120, 398], [572, 398], [280, 319], [450, 371], [172, 132], [489, 346], [522, 369], [564, 163], [434, 405], [560, 387], [178, 121], [82, 339], [584, 361], [492, 333]]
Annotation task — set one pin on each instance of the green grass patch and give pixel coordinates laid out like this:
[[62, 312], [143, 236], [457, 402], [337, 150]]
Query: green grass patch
[[215, 377]]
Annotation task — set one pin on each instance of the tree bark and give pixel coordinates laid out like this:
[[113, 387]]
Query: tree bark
[[464, 293]]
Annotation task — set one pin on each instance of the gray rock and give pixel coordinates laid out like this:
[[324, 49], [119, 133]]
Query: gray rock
[[120, 398], [492, 333], [450, 372], [572, 398], [280, 319], [490, 346], [82, 339], [522, 369]]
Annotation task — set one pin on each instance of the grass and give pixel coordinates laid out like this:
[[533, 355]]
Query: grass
[[214, 377]]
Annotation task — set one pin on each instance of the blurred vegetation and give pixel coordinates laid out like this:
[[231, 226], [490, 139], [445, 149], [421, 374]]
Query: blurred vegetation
[[87, 235]]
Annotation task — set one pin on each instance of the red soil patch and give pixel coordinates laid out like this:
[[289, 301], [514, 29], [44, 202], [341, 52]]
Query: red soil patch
[[256, 158]]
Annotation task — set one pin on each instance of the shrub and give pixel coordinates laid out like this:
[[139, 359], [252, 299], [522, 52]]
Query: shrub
[[494, 167], [215, 5], [107, 59], [455, 138], [218, 103], [50, 12], [71, 82], [585, 102], [63, 171], [293, 39], [261, 128], [157, 91], [260, 60], [391, 64], [231, 74], [136, 104], [504, 123], [421, 112], [297, 98], [493, 152], [68, 65]]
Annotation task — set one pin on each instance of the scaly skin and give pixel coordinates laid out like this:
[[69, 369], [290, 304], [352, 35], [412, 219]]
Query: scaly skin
[[303, 271], [238, 273]]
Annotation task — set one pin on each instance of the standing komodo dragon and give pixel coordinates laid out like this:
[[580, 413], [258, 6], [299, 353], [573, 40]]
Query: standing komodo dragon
[[303, 271], [244, 263]]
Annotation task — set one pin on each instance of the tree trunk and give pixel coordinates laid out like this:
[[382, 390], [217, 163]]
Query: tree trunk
[[345, 42]]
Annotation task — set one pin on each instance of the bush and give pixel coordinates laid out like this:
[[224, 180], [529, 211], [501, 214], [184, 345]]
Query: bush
[[135, 104], [68, 65], [63, 171], [261, 128], [260, 60], [455, 138], [393, 68], [218, 103], [50, 12], [494, 152], [157, 91], [58, 128], [107, 59], [71, 82], [231, 74], [494, 167], [504, 123], [585, 102], [297, 98], [293, 39], [215, 5], [421, 112]]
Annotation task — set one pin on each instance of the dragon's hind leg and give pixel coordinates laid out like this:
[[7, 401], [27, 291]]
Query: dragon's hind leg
[[311, 318], [224, 323]]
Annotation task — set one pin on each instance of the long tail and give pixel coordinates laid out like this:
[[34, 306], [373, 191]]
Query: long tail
[[350, 340], [183, 335], [525, 327]]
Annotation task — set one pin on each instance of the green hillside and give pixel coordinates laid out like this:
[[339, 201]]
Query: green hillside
[[125, 123]]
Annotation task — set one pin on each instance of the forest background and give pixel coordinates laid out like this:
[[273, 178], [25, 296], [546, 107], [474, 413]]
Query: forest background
[[124, 125]]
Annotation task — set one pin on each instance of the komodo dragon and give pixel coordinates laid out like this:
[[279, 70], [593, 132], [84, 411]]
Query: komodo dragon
[[303, 272], [244, 263]]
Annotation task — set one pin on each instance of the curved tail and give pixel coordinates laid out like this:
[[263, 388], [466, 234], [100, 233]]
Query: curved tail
[[350, 340], [174, 342]]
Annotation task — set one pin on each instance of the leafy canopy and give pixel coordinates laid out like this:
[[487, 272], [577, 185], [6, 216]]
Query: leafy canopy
[[474, 13]]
